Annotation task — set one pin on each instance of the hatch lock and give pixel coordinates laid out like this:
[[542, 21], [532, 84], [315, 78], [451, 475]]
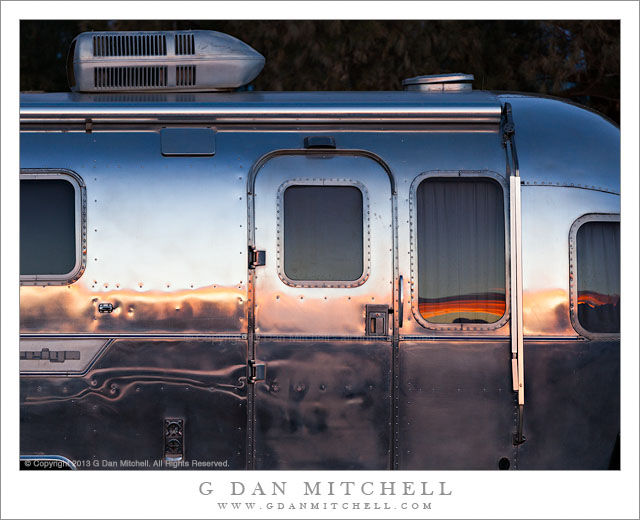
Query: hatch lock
[[257, 371], [256, 258]]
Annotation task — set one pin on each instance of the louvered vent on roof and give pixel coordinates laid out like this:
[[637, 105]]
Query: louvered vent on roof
[[185, 75], [185, 44], [129, 77], [129, 45]]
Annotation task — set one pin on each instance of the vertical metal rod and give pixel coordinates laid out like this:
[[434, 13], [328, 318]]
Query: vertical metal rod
[[513, 282], [517, 357], [518, 215]]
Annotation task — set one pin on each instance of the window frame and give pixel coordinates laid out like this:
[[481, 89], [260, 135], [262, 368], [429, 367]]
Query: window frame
[[573, 272], [80, 200], [366, 237], [413, 222]]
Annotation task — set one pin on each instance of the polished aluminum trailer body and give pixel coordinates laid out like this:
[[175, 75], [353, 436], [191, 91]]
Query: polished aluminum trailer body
[[167, 237]]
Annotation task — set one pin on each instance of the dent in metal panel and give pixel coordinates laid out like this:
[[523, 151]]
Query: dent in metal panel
[[572, 415], [324, 405], [74, 309], [116, 411], [457, 407]]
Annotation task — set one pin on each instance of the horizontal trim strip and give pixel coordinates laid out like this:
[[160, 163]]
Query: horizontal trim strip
[[182, 117], [545, 184], [133, 336], [300, 337], [294, 107], [489, 337]]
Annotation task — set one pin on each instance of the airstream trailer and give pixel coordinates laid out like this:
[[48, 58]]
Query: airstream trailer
[[212, 277]]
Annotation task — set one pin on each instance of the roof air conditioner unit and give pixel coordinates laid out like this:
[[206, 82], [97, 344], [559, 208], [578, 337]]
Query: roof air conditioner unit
[[191, 61]]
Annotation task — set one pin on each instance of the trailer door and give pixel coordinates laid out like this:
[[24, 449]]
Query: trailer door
[[322, 293]]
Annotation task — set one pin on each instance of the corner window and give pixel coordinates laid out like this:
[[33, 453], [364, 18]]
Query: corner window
[[461, 250], [322, 235], [597, 273], [50, 227]]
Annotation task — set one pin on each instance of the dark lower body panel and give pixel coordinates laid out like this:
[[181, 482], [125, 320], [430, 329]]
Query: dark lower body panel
[[572, 410], [117, 411], [324, 405], [328, 405], [457, 407]]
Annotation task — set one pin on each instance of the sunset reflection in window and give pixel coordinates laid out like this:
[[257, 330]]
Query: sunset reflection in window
[[461, 250]]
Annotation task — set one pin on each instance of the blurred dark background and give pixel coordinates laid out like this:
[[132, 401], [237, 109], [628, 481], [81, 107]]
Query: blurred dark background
[[572, 59]]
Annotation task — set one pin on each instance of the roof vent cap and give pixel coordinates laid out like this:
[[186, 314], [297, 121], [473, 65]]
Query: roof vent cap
[[454, 82]]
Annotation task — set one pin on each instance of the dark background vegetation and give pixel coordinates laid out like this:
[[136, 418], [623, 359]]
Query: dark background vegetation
[[573, 59]]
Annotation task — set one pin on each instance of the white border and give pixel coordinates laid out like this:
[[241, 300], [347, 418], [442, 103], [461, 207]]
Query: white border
[[476, 494]]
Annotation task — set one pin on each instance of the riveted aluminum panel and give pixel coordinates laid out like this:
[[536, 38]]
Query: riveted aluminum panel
[[324, 405], [160, 216], [333, 308], [572, 415], [562, 144], [446, 155], [166, 240], [547, 216], [116, 410], [457, 408]]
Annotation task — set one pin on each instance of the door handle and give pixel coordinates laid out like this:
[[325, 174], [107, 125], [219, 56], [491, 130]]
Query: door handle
[[377, 317]]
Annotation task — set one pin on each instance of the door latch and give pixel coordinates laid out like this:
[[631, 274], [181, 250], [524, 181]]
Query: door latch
[[257, 371], [377, 320], [256, 257]]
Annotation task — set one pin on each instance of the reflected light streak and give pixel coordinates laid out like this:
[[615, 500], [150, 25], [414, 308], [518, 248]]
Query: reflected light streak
[[547, 312], [75, 309], [595, 299], [468, 307]]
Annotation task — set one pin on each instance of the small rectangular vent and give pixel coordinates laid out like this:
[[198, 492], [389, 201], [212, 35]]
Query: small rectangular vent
[[130, 77], [185, 75], [129, 45], [185, 44]]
